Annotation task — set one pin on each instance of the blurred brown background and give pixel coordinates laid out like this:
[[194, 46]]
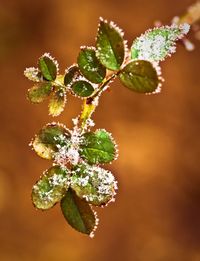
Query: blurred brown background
[[156, 216]]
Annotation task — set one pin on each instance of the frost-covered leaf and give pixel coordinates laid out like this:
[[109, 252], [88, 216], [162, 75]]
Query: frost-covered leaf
[[48, 67], [49, 138], [140, 76], [156, 44], [57, 103], [32, 74], [90, 66], [110, 45], [71, 74], [51, 187], [82, 88], [96, 185], [39, 92], [98, 147], [78, 213]]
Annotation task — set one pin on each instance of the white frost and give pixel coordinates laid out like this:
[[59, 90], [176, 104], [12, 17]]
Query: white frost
[[156, 44]]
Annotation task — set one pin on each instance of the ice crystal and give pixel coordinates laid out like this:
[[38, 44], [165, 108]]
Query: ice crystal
[[93, 183], [32, 74], [112, 25], [50, 188], [184, 28], [156, 44], [60, 157], [90, 123], [91, 235], [82, 47], [57, 180], [75, 121], [69, 152], [76, 136]]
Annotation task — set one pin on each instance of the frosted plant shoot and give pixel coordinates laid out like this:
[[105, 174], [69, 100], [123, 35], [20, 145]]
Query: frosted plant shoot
[[77, 178]]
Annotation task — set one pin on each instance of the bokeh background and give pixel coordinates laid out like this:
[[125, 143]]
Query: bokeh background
[[156, 216]]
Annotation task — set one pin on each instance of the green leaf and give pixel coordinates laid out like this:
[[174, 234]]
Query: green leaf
[[139, 76], [49, 138], [78, 213], [71, 74], [39, 92], [156, 44], [57, 103], [96, 185], [110, 45], [90, 66], [82, 88], [98, 147], [51, 187], [48, 67]]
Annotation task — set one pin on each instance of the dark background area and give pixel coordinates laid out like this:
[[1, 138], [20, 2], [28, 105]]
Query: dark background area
[[156, 216]]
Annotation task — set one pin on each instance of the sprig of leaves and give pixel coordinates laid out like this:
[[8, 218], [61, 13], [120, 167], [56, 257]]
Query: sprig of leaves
[[76, 160], [76, 179]]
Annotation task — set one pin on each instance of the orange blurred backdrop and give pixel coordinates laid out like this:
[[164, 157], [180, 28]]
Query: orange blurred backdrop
[[156, 216]]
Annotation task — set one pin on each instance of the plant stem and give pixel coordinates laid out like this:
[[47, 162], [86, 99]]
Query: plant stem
[[90, 104], [104, 83], [88, 109], [192, 15]]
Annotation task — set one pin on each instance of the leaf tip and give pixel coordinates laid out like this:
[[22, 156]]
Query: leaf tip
[[53, 59]]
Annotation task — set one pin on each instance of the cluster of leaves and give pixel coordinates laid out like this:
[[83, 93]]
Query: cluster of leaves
[[76, 179]]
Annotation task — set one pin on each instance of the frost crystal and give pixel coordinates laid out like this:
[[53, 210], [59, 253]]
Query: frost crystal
[[90, 123], [57, 180], [75, 121], [50, 188], [69, 152], [93, 183], [184, 28], [32, 74], [156, 44], [96, 224]]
